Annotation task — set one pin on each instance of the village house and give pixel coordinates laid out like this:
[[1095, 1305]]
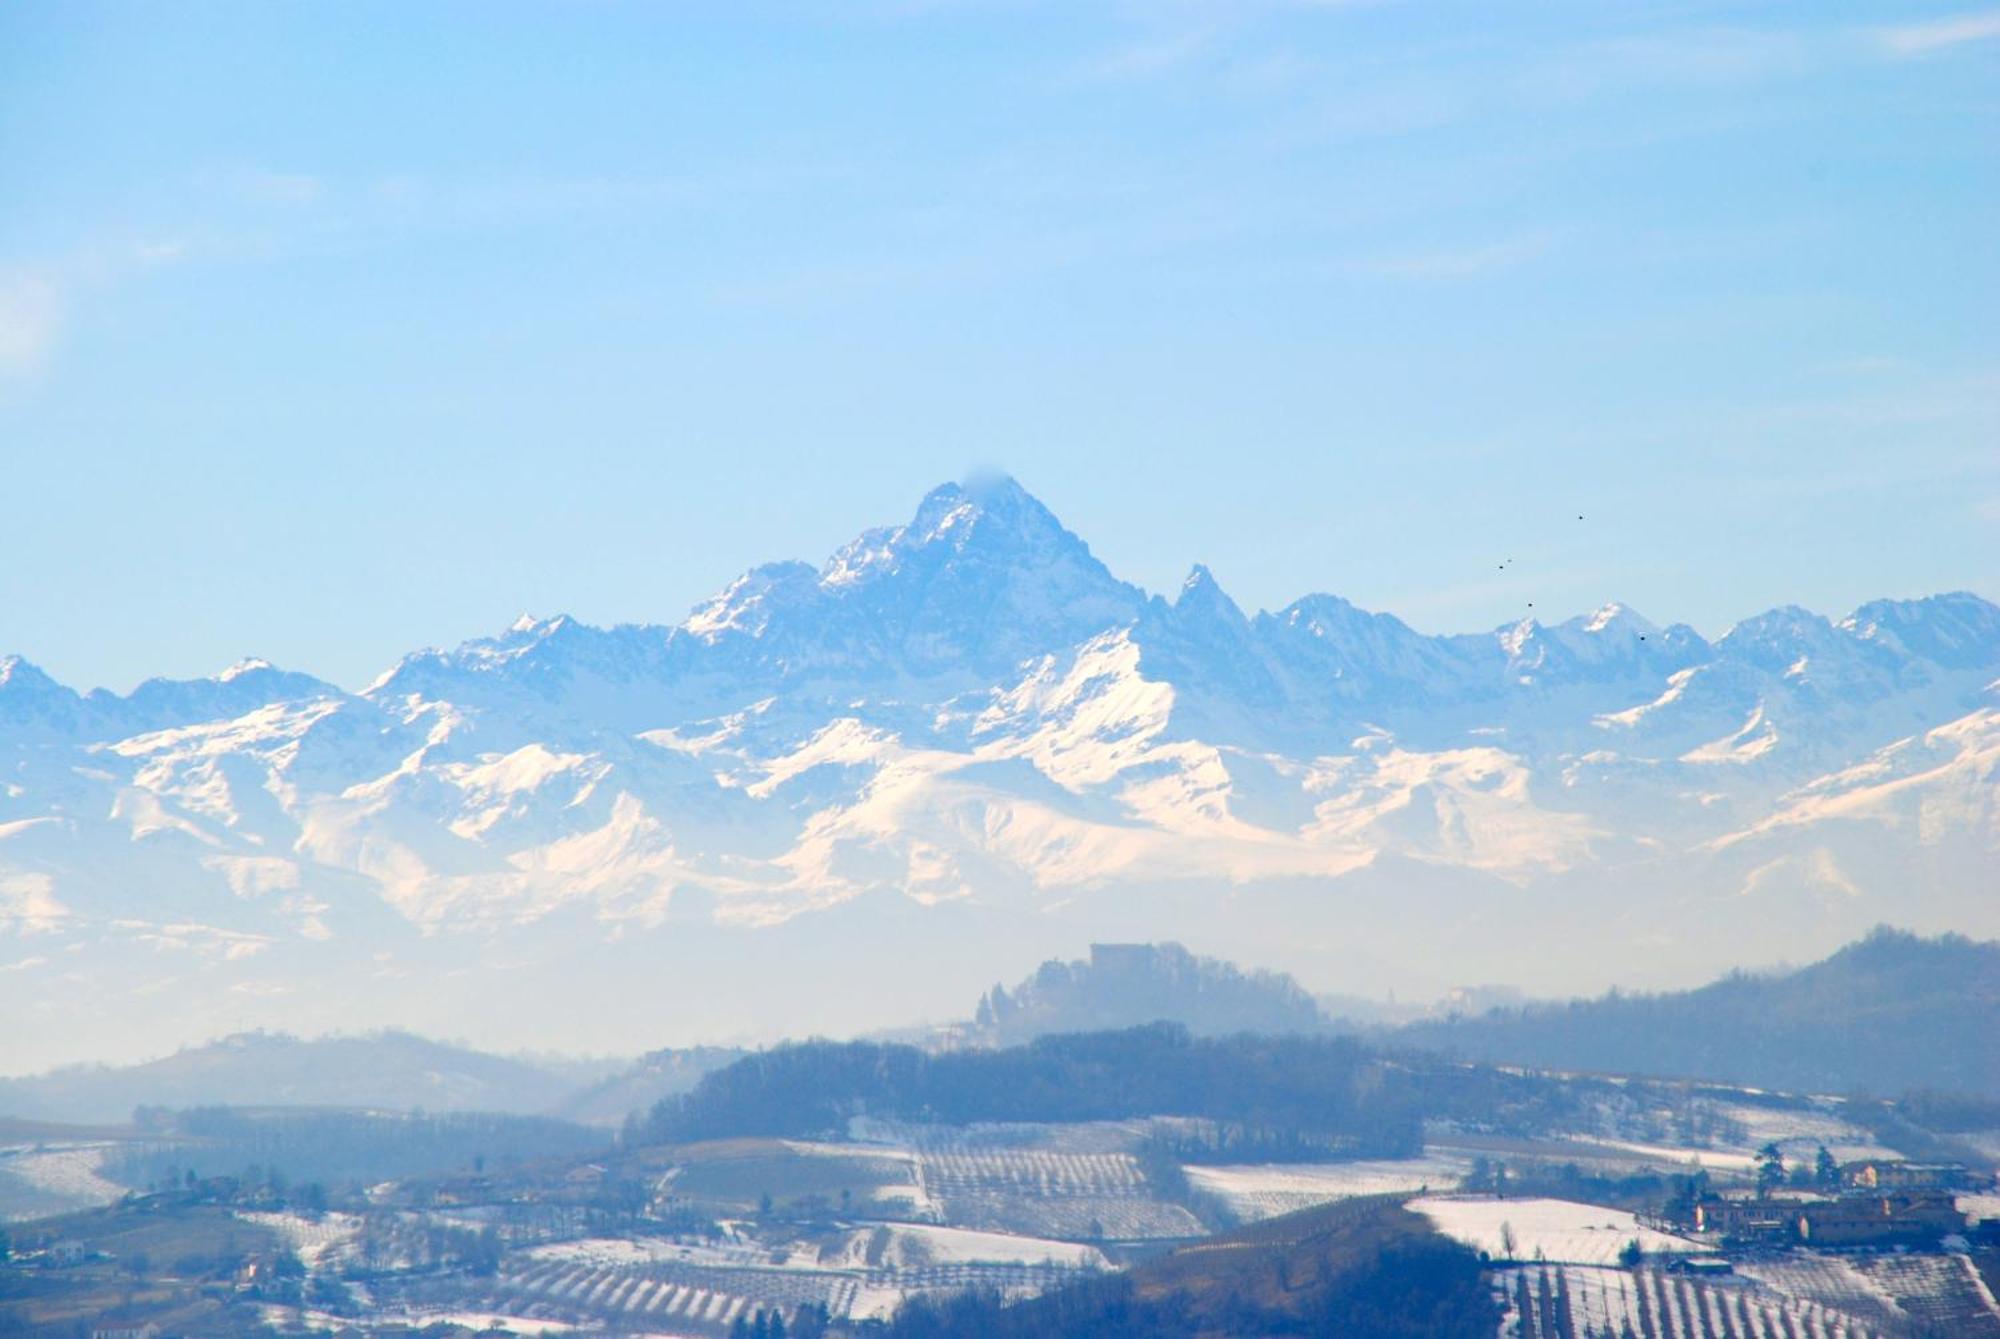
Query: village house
[[1892, 1174], [1746, 1217], [143, 1330], [1909, 1219]]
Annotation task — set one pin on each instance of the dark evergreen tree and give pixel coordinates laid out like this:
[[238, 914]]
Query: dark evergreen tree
[[1826, 1171], [1770, 1169]]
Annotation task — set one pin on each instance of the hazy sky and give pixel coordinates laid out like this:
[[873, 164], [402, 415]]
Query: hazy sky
[[331, 331]]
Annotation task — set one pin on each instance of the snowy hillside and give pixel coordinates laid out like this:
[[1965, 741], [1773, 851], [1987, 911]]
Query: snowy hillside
[[957, 747]]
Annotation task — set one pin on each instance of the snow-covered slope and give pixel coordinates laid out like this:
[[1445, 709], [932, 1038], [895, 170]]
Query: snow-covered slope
[[962, 744]]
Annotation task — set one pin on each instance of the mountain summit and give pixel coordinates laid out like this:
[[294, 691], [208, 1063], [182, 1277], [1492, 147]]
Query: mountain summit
[[960, 745]]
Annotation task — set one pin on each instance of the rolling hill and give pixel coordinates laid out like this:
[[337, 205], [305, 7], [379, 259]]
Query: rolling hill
[[1890, 1013]]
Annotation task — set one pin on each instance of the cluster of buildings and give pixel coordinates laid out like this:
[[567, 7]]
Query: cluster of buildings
[[1879, 1204]]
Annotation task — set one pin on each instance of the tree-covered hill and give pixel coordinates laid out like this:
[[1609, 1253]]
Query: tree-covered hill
[[389, 1070], [1124, 985], [1364, 1269], [1887, 1014]]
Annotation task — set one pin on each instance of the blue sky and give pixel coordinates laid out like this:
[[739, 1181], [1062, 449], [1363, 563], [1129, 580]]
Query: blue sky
[[331, 331]]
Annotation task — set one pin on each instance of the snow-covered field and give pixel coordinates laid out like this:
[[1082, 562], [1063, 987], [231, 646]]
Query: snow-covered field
[[1924, 1293], [1830, 1280], [877, 1140], [314, 1240], [656, 1299], [1047, 1192], [1986, 1141], [618, 1252], [52, 1178], [1979, 1208], [657, 1295], [1587, 1300], [1559, 1231], [1033, 1171], [471, 1320], [1798, 1134], [1715, 1159], [919, 1245], [1265, 1190]]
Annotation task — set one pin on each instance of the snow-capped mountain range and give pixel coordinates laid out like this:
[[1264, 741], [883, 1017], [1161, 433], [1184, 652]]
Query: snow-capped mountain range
[[960, 745]]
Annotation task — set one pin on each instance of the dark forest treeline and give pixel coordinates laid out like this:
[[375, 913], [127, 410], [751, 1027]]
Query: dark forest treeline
[[1299, 1096], [1330, 1086]]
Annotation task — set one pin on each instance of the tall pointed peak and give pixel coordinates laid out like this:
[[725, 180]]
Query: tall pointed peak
[[1202, 598], [20, 673], [988, 501], [996, 488], [990, 518], [1202, 588]]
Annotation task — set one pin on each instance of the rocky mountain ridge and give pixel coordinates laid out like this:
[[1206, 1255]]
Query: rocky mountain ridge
[[969, 715]]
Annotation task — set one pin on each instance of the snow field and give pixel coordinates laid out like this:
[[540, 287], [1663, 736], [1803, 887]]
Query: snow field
[[1558, 1231], [313, 1240], [917, 1246], [1716, 1159], [1073, 1218], [1046, 1193], [1265, 1190], [471, 1320], [1798, 1134], [1593, 1302], [1986, 1141], [616, 1252], [1979, 1208], [569, 1292], [1944, 1293], [1831, 1281], [67, 1171], [1036, 1171]]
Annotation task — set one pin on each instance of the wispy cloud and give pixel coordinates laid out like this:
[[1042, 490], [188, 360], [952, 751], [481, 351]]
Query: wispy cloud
[[38, 299], [1917, 39], [31, 320]]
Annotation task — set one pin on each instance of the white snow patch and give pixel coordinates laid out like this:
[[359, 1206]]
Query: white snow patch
[[1560, 1231], [1265, 1190]]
